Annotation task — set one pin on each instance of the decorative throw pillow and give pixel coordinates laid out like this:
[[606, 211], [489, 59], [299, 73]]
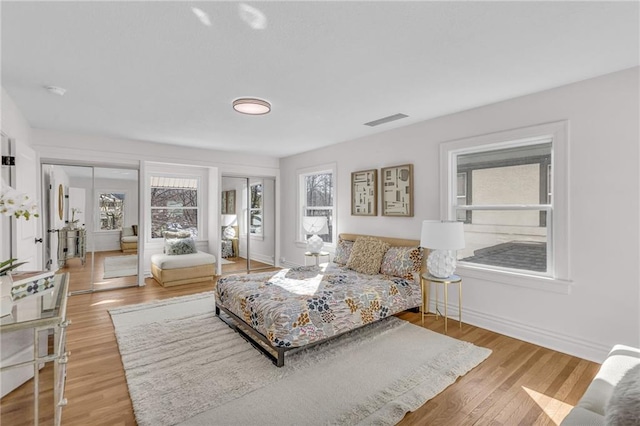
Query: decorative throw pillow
[[177, 234], [623, 406], [401, 262], [176, 246], [135, 230], [366, 255], [343, 252]]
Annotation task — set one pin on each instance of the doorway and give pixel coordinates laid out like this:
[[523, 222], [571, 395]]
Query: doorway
[[90, 212], [247, 216]]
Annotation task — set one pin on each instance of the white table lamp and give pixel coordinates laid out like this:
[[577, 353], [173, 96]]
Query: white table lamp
[[315, 225], [443, 238], [228, 221]]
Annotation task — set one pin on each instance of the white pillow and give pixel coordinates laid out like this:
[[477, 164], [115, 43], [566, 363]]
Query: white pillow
[[623, 409]]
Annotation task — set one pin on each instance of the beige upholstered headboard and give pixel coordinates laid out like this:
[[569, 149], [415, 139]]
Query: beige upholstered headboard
[[395, 242]]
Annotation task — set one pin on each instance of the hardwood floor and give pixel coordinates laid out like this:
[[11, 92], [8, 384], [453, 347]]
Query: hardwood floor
[[519, 384], [81, 275], [239, 265]]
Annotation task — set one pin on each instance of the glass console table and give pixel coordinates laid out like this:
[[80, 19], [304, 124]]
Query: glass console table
[[42, 313], [71, 243]]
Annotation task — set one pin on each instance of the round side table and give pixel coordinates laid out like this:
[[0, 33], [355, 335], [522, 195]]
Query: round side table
[[317, 256], [453, 279]]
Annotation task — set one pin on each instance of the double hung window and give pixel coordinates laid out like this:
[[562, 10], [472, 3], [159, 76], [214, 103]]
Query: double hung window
[[255, 210], [174, 205], [111, 208], [317, 198], [505, 206], [501, 186]]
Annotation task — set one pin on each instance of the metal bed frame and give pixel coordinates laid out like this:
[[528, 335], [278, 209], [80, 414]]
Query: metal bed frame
[[250, 333]]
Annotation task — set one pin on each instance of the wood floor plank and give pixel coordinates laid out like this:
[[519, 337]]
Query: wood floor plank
[[491, 394]]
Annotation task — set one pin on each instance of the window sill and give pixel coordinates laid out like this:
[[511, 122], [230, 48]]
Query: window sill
[[551, 285]]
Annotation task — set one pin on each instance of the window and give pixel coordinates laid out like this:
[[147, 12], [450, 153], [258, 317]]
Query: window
[[506, 208], [174, 205], [111, 208], [461, 195], [317, 195], [501, 187], [255, 211]]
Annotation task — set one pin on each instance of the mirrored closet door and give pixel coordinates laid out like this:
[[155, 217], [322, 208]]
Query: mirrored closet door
[[91, 220], [247, 216]]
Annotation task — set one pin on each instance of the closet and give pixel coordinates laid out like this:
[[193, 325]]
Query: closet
[[87, 209], [247, 218]]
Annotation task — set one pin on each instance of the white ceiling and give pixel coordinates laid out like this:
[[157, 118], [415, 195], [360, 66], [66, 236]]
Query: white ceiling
[[152, 71]]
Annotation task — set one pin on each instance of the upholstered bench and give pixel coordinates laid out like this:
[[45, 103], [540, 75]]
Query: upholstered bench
[[170, 270], [128, 240]]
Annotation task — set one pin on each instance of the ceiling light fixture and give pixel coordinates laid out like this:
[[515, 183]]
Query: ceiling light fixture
[[60, 91], [252, 106]]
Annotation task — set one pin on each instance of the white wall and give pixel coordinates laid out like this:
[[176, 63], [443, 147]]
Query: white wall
[[15, 126], [604, 305], [12, 122]]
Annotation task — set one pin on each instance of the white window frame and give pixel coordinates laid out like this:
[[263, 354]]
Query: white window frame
[[301, 238], [98, 192], [199, 208], [260, 235], [558, 275]]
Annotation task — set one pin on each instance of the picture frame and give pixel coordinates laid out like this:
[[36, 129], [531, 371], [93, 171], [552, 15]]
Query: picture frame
[[364, 193], [231, 202], [228, 203], [223, 203], [397, 190]]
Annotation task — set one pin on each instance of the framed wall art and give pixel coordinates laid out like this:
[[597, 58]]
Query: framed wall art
[[223, 203], [231, 202], [364, 193], [228, 203], [397, 190]]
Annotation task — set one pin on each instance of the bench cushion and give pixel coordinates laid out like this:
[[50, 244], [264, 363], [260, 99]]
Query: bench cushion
[[164, 261]]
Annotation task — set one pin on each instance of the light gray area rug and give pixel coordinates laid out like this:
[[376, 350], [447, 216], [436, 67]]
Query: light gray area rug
[[120, 266], [185, 366]]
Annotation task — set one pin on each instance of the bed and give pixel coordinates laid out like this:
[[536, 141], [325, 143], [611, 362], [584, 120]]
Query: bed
[[294, 308]]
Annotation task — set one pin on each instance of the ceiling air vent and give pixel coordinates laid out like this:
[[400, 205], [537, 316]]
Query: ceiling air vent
[[388, 119]]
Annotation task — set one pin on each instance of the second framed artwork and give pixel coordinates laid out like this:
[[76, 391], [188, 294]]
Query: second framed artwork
[[364, 193], [397, 190]]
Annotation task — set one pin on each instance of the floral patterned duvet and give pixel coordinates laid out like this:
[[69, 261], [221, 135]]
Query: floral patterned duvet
[[298, 306]]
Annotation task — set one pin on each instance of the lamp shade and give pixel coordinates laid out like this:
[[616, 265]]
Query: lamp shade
[[442, 235], [229, 219], [315, 225]]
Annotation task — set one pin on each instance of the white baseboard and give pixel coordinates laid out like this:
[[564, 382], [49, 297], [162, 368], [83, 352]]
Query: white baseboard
[[262, 258], [288, 264], [551, 339]]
